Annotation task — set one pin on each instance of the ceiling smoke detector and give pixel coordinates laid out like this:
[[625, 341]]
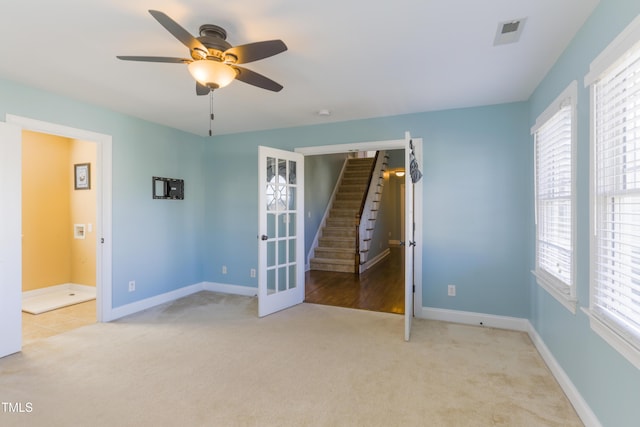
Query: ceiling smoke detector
[[509, 31]]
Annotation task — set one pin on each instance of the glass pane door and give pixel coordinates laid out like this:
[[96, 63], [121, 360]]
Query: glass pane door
[[281, 252]]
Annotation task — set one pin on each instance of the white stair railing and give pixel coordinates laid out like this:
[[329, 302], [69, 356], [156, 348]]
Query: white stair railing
[[371, 208]]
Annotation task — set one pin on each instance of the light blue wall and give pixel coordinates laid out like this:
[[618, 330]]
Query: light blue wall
[[156, 243], [478, 202], [609, 383]]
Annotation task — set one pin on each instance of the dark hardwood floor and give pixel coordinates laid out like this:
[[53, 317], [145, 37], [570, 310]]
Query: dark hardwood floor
[[381, 288]]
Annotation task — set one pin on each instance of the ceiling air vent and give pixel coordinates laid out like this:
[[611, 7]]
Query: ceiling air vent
[[509, 31]]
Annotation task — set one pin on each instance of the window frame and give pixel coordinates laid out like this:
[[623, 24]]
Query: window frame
[[610, 331], [564, 293]]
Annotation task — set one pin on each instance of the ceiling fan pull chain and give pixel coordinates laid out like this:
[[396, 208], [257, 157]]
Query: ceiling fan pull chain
[[211, 113]]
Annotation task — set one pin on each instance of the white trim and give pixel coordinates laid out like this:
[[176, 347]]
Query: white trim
[[104, 161], [579, 404], [144, 304], [376, 259], [611, 337], [478, 319], [570, 93], [223, 288], [570, 302], [147, 303], [395, 144], [613, 53]]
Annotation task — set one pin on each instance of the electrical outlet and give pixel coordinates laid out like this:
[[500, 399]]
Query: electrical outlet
[[132, 285], [451, 290], [253, 272], [224, 269]]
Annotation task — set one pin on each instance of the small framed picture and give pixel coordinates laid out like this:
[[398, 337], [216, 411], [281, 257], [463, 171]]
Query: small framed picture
[[82, 176]]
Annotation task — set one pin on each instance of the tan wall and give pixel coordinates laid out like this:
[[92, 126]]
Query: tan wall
[[50, 207], [83, 211]]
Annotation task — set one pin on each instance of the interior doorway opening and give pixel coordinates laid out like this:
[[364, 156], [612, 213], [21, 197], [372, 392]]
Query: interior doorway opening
[[58, 234], [378, 283], [11, 212], [412, 276]]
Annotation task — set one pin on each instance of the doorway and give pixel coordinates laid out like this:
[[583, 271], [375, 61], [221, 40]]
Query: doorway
[[413, 302], [10, 340], [379, 284], [58, 234]]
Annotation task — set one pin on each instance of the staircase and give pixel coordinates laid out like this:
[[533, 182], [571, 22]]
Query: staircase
[[336, 250]]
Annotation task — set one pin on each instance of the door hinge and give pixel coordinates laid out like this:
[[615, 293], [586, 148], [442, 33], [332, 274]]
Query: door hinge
[[414, 289], [102, 240]]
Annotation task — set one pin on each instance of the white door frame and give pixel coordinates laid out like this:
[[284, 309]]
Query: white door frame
[[395, 144], [103, 201], [10, 238]]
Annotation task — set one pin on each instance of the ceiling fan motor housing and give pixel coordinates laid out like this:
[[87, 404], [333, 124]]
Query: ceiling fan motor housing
[[214, 38]]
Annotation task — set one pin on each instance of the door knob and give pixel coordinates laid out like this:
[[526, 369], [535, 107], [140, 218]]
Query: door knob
[[264, 237]]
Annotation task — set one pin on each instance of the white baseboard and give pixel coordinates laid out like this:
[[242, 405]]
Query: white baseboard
[[134, 307], [370, 263], [579, 404], [247, 291], [478, 319], [518, 324]]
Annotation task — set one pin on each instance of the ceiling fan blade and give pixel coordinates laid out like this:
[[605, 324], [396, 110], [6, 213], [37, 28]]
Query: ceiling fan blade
[[178, 32], [255, 79], [255, 51], [202, 89], [156, 59]]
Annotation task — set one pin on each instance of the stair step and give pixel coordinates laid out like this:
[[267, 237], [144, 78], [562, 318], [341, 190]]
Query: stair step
[[352, 188], [330, 231], [337, 242], [334, 253], [341, 222], [364, 174], [347, 204], [360, 161], [345, 266], [343, 213], [356, 180], [349, 195]]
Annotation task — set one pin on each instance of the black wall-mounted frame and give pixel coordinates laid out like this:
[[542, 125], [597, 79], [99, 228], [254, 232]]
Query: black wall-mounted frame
[[167, 188]]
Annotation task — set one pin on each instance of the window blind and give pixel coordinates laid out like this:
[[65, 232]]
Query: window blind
[[554, 247], [615, 297]]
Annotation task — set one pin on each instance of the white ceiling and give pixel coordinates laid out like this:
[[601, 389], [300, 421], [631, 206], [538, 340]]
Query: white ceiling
[[356, 58]]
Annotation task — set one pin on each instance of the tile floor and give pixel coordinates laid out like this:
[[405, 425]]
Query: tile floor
[[38, 326]]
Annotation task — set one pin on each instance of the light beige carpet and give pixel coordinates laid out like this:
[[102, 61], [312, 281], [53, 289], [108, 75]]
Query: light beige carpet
[[207, 360]]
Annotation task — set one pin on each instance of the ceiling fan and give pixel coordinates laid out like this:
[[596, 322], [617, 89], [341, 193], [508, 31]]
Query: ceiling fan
[[214, 62]]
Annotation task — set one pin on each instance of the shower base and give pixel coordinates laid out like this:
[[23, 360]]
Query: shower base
[[54, 297]]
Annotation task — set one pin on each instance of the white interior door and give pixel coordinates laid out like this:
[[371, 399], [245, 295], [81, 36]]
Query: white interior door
[[10, 239], [281, 230], [409, 238]]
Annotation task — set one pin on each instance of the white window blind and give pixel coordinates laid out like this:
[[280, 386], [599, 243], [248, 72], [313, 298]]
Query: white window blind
[[555, 143], [615, 286], [553, 201]]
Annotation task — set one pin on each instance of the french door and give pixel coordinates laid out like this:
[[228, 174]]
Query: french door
[[281, 230], [409, 238]]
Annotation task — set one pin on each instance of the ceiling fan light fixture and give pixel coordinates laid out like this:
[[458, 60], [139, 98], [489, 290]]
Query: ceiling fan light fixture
[[211, 73]]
